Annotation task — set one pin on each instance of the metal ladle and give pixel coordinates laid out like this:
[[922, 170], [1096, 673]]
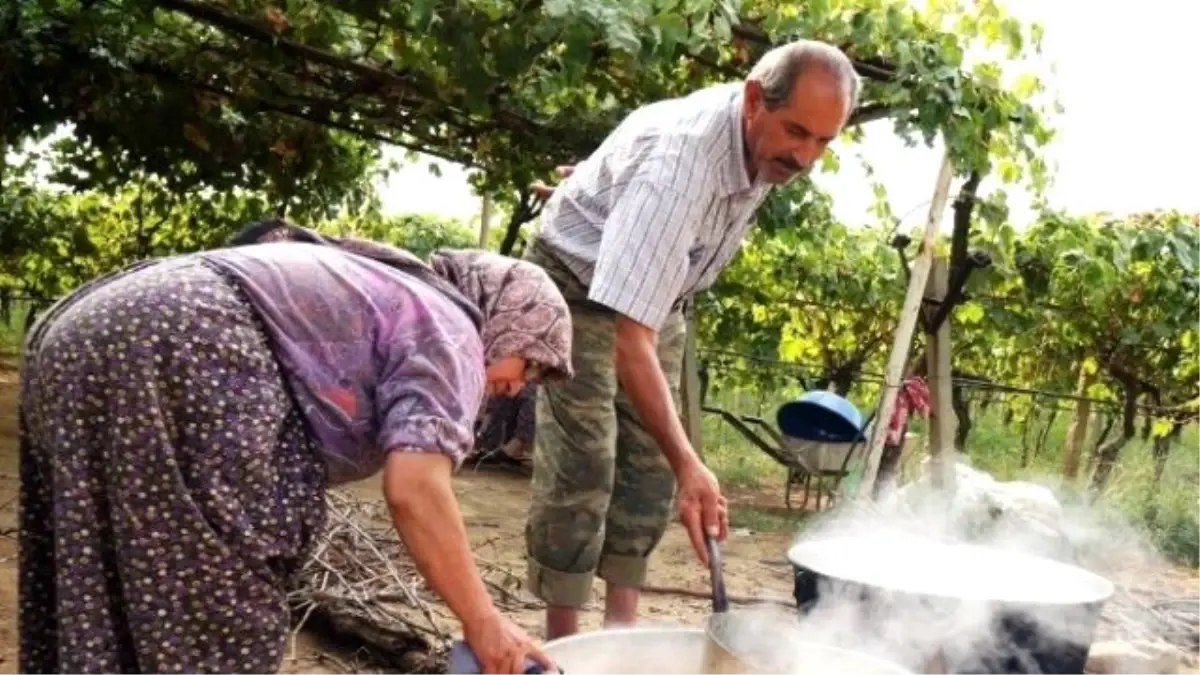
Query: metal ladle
[[718, 659]]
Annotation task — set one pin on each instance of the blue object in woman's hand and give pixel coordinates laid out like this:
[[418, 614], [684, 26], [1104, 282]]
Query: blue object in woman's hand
[[463, 662]]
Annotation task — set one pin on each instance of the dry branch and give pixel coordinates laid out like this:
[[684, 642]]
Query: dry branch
[[362, 583]]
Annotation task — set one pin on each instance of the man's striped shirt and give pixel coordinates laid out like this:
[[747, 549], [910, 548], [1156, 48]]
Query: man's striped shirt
[[660, 208]]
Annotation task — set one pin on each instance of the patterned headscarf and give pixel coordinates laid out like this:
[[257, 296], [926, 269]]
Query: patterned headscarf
[[524, 313], [519, 311]]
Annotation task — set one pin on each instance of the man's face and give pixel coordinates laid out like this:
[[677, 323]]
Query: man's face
[[785, 143]]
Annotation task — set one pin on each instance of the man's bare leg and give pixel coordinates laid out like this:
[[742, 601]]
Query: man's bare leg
[[620, 605], [561, 622]]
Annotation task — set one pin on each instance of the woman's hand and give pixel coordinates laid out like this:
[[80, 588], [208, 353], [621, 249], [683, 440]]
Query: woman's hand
[[417, 488], [501, 646]]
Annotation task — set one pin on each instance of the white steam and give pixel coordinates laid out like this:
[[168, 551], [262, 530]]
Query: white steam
[[956, 579], [996, 570]]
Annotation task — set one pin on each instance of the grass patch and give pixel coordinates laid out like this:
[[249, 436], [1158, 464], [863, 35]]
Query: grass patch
[[12, 328], [762, 519]]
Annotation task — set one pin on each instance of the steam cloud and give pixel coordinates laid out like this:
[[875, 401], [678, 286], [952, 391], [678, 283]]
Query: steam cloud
[[1040, 546], [975, 581]]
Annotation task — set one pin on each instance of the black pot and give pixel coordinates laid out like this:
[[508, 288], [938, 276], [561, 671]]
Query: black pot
[[949, 608]]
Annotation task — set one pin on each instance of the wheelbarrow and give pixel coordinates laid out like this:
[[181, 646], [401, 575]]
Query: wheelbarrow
[[817, 435]]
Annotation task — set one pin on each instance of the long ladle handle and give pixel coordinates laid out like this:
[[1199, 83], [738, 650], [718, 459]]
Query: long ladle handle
[[720, 603]]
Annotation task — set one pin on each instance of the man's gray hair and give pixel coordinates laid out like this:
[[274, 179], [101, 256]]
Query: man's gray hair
[[778, 70]]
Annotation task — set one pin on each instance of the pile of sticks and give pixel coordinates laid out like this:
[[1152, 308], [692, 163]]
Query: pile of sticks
[[1133, 616], [361, 583]]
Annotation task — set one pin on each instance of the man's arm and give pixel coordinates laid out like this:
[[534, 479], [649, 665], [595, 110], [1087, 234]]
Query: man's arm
[[640, 272], [701, 506], [644, 381]]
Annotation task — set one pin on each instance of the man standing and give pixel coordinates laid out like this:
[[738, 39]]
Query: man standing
[[649, 219]]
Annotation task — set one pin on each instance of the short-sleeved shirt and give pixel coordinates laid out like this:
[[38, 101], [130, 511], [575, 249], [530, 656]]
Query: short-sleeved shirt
[[660, 208], [378, 361]]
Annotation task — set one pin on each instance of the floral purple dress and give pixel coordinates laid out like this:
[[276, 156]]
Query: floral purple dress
[[180, 422]]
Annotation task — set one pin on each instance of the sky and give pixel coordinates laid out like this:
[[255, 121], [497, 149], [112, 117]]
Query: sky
[[1128, 139]]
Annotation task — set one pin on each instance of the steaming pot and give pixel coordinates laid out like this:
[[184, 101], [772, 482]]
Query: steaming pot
[[658, 651], [967, 608]]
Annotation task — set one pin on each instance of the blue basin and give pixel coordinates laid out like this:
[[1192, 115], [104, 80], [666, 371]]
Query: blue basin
[[821, 416]]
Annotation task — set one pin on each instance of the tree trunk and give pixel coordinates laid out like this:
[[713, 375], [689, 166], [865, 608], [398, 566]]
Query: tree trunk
[[889, 463], [485, 220], [35, 307], [1009, 413], [528, 206], [1077, 427], [962, 410], [1104, 426], [964, 208], [843, 381], [1162, 450], [1040, 449], [985, 401], [1106, 456], [1031, 420]]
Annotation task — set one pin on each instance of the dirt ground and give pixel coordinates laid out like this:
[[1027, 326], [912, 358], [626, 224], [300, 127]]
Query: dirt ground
[[494, 507]]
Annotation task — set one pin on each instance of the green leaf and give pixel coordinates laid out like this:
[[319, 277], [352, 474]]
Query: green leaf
[[1130, 336], [722, 27], [1013, 36], [621, 36], [968, 313], [1160, 427], [674, 29], [1026, 85], [557, 8]]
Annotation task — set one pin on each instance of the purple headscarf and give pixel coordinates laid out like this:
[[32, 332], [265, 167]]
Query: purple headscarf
[[516, 306]]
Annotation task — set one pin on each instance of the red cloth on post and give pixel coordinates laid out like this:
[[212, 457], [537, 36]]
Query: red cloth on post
[[913, 397]]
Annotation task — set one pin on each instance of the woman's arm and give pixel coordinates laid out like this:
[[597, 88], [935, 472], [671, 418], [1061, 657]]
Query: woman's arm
[[425, 512], [429, 389], [417, 488]]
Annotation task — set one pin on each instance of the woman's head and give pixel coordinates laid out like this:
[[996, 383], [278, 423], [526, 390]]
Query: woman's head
[[526, 324], [523, 319]]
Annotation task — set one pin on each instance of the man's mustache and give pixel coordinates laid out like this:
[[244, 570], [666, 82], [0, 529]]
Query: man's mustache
[[793, 166]]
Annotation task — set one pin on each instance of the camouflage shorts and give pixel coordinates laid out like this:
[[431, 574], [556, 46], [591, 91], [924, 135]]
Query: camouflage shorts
[[602, 489]]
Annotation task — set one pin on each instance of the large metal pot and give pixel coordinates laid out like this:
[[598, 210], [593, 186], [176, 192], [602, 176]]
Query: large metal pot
[[955, 608], [682, 650]]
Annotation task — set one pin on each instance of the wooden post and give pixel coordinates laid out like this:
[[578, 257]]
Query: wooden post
[[902, 340], [1077, 429], [937, 360], [691, 386], [485, 221]]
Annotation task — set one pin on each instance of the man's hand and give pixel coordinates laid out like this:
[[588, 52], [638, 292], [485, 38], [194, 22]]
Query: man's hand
[[702, 509], [544, 191]]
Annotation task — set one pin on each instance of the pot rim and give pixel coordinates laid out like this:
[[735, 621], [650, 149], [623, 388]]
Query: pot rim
[[881, 664], [1095, 589], [702, 634], [627, 630]]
